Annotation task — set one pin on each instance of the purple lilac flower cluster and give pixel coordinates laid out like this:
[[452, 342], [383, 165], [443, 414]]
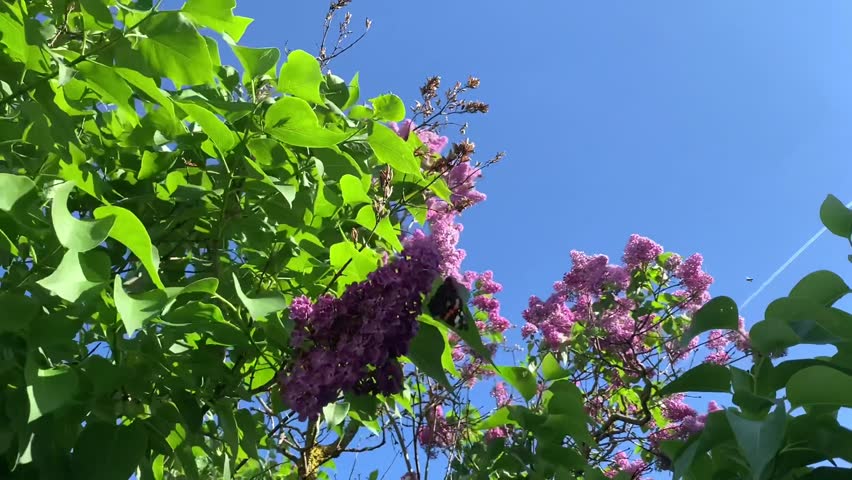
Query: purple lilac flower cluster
[[352, 343]]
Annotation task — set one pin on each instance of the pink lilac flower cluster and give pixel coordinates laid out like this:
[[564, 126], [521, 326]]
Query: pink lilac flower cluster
[[719, 340], [495, 433], [685, 421], [501, 396], [461, 177], [436, 433], [622, 463], [352, 343], [592, 278], [695, 280]]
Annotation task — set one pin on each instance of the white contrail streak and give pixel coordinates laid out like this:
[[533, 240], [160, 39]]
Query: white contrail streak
[[786, 264]]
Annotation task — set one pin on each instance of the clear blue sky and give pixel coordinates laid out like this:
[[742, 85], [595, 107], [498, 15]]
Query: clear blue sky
[[713, 127]]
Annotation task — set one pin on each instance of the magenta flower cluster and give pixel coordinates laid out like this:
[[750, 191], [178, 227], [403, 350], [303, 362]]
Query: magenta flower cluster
[[352, 343]]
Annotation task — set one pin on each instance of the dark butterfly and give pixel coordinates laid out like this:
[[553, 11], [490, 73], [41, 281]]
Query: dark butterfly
[[446, 304]]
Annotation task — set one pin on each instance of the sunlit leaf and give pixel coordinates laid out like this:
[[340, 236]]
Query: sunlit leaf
[[301, 76], [135, 310], [256, 61], [77, 273], [12, 189], [292, 121], [130, 232], [388, 107], [520, 378], [392, 150], [77, 235], [219, 133], [260, 307], [217, 15], [51, 389], [174, 49], [354, 191], [335, 413]]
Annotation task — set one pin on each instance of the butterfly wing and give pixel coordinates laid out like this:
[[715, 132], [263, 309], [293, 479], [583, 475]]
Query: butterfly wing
[[446, 304]]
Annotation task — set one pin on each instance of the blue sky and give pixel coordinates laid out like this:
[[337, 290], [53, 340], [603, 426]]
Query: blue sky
[[712, 127]]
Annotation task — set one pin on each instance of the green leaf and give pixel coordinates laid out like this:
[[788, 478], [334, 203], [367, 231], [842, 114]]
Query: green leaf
[[551, 370], [500, 417], [12, 189], [354, 192], [292, 121], [51, 389], [366, 217], [216, 130], [836, 216], [706, 377], [98, 11], [108, 452], [567, 399], [720, 313], [111, 88], [77, 273], [128, 230], [149, 88], [392, 150], [249, 439], [388, 108], [228, 421], [354, 93], [772, 336], [822, 286], [155, 162], [256, 61], [217, 15], [759, 440], [14, 36], [18, 311], [77, 235], [205, 285], [716, 431], [559, 425], [260, 307], [827, 473], [360, 263], [820, 385], [335, 413], [777, 378], [135, 310], [520, 378], [301, 76], [562, 456], [173, 48], [426, 350], [812, 321], [386, 231], [360, 112]]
